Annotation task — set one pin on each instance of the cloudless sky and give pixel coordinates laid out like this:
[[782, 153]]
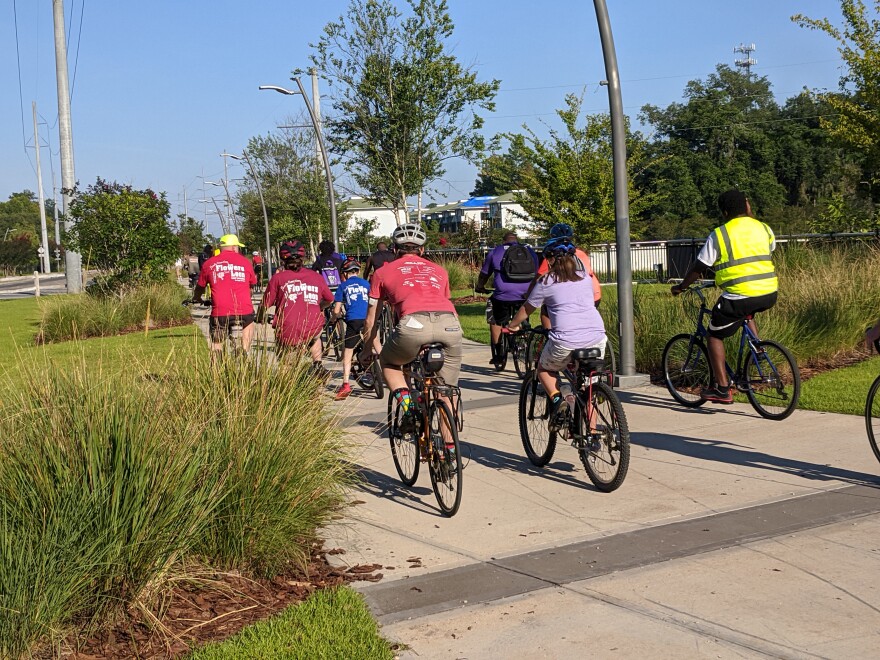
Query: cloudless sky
[[161, 88]]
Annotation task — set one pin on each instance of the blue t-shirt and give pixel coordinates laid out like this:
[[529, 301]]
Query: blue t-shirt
[[505, 290], [354, 294]]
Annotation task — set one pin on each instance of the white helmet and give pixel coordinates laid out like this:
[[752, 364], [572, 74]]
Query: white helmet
[[410, 233]]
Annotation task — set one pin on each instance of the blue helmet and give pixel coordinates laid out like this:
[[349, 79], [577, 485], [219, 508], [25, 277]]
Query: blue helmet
[[558, 246], [561, 230]]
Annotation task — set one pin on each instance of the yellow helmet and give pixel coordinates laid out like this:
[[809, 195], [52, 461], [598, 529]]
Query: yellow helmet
[[230, 240]]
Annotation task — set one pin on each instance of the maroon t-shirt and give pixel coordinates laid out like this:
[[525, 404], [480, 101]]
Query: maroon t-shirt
[[231, 276], [297, 296]]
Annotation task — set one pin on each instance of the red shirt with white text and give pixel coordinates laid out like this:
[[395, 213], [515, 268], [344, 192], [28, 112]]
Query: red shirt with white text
[[297, 296], [412, 284], [231, 276]]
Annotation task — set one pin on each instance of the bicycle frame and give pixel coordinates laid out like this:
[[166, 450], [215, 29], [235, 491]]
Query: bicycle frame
[[428, 387]]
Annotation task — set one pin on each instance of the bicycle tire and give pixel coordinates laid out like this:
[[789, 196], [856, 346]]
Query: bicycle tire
[[501, 356], [678, 355], [605, 458], [534, 414], [872, 417], [386, 324], [520, 346], [609, 362], [533, 350], [404, 446], [444, 465], [773, 395], [378, 382]]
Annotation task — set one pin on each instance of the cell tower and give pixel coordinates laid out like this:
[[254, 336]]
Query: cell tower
[[746, 62]]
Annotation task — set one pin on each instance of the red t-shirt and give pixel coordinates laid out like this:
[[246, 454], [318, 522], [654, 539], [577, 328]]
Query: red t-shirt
[[231, 276], [297, 296], [585, 260], [412, 284], [258, 260]]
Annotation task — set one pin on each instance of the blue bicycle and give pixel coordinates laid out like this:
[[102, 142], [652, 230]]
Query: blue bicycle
[[765, 371]]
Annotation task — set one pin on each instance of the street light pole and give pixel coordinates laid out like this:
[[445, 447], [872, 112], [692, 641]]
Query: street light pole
[[262, 203], [331, 195]]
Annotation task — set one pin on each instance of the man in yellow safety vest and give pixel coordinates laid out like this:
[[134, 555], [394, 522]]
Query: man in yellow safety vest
[[740, 252]]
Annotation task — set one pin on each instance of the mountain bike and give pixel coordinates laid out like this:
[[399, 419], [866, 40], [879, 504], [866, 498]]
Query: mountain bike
[[872, 412], [429, 432], [511, 344], [765, 370]]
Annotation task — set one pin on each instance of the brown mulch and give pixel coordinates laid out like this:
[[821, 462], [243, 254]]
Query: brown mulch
[[213, 608], [465, 300]]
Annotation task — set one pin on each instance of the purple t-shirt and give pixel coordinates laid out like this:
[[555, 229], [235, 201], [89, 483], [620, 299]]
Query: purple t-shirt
[[573, 314], [505, 290]]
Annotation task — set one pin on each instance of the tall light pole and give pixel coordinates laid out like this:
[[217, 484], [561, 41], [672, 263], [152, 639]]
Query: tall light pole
[[331, 195], [262, 203], [628, 376], [44, 236], [224, 225], [230, 212]]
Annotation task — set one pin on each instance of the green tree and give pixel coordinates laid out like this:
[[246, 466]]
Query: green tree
[[502, 173], [403, 104], [854, 116], [571, 178], [359, 236], [190, 234], [122, 232]]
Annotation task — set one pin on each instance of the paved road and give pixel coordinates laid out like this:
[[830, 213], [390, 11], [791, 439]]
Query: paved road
[[23, 286], [732, 537]]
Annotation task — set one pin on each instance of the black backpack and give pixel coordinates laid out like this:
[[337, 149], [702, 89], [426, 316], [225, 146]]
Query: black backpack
[[517, 264]]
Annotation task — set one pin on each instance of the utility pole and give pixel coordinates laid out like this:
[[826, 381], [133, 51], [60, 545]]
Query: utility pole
[[72, 260], [45, 263], [316, 105], [746, 62]]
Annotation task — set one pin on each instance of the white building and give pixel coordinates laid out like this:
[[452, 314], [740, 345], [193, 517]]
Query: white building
[[505, 211], [360, 209]]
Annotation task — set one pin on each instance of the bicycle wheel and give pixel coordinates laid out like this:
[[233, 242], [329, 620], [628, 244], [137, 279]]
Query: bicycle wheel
[[386, 324], [501, 353], [533, 350], [519, 343], [609, 360], [534, 414], [404, 446], [445, 463], [604, 444], [378, 382], [872, 417], [686, 369], [338, 339], [774, 381]]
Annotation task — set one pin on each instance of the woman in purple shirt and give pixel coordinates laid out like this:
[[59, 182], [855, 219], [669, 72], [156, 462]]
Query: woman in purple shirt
[[575, 320]]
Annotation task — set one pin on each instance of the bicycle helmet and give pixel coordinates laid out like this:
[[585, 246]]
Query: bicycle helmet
[[290, 249], [350, 265], [556, 247], [561, 230], [410, 233]]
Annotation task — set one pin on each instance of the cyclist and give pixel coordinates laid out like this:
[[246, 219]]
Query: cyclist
[[563, 230], [300, 296], [740, 252], [352, 301], [379, 258], [328, 264], [418, 290], [513, 267], [568, 296], [257, 259], [230, 276]]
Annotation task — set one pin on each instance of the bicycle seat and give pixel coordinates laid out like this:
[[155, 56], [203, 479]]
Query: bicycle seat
[[432, 357], [587, 354]]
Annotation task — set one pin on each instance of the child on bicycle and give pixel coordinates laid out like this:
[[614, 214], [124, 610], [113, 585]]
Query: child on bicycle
[[567, 294], [352, 300]]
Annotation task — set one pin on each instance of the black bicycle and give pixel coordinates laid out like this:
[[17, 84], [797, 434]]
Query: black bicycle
[[332, 336], [536, 339], [429, 433], [765, 371], [369, 375], [510, 344], [595, 423], [872, 412]]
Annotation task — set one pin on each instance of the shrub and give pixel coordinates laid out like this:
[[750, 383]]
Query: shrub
[[101, 314], [110, 480]]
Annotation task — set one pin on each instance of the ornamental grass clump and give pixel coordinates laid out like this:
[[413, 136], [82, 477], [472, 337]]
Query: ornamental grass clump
[[113, 482]]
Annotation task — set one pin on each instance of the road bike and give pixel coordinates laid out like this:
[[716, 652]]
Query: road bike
[[428, 433], [872, 412], [595, 422], [765, 370]]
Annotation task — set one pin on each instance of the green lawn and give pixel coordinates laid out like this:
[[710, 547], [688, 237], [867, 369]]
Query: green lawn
[[330, 624], [842, 390]]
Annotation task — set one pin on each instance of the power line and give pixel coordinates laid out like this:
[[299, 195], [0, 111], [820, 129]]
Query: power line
[[18, 61], [82, 9]]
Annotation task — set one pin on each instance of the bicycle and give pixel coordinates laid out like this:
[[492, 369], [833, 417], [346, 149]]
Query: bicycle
[[595, 424], [368, 376], [233, 341], [513, 343], [765, 370], [386, 323], [535, 344], [872, 412], [433, 438], [332, 336]]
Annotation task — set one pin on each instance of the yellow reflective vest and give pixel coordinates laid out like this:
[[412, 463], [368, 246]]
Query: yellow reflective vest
[[744, 265]]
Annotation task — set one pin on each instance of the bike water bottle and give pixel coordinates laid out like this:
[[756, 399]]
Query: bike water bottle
[[489, 316]]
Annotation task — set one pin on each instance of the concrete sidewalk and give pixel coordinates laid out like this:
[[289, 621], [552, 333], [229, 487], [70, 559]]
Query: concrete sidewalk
[[732, 536]]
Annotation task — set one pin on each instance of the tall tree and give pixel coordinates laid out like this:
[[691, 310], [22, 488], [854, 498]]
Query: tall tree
[[855, 116], [403, 103], [502, 173]]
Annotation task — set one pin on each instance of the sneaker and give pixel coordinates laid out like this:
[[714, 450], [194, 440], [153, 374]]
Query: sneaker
[[366, 380], [717, 394], [558, 414], [318, 371], [343, 391], [407, 423]]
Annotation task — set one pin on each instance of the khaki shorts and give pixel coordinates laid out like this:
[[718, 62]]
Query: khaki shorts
[[415, 330], [555, 357]]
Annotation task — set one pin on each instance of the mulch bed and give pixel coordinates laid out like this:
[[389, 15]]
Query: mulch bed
[[213, 609], [466, 300]]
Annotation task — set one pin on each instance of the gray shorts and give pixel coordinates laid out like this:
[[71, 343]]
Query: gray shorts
[[555, 357], [415, 330]]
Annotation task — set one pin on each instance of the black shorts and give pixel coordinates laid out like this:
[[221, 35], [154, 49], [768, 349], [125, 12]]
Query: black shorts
[[219, 325], [353, 330], [503, 311], [727, 314]]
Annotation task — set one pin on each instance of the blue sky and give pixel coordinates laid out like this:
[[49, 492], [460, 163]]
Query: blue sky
[[162, 88]]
